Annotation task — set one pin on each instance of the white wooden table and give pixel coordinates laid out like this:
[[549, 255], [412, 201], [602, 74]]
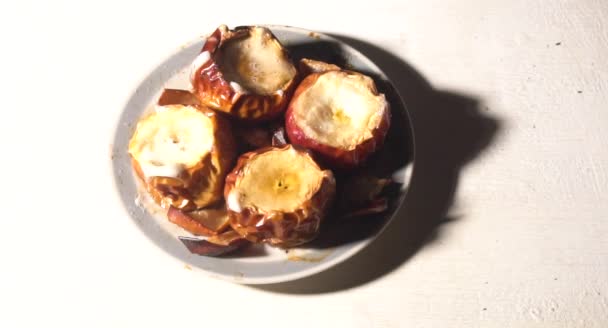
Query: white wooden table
[[507, 221]]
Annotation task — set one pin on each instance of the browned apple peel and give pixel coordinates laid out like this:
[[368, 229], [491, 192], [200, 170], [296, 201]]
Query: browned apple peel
[[278, 195], [219, 245], [244, 72], [203, 222]]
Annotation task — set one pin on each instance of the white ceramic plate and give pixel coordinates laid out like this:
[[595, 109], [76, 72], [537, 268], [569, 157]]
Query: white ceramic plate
[[263, 264]]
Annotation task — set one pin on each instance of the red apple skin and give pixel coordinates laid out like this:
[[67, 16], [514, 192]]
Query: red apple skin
[[281, 229], [214, 91], [332, 156]]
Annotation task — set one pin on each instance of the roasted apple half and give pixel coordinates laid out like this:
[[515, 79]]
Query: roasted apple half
[[339, 115], [278, 195], [183, 154], [244, 72]]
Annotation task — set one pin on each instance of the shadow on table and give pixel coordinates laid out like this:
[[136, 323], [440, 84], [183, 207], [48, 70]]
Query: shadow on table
[[449, 131]]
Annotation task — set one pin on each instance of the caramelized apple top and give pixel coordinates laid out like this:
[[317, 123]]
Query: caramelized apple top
[[255, 62], [174, 138], [280, 179], [340, 109]]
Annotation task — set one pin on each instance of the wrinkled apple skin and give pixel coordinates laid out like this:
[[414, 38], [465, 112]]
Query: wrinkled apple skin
[[201, 185], [214, 91], [332, 156], [281, 229]]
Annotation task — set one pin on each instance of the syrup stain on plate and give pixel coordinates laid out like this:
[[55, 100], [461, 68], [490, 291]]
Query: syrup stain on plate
[[306, 256]]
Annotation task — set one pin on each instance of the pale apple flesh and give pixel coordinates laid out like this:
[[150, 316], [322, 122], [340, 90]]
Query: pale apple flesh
[[255, 63], [278, 196], [340, 116]]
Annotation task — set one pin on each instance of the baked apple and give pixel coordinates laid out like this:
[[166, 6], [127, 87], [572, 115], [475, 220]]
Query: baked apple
[[183, 153], [339, 115], [278, 196], [244, 72]]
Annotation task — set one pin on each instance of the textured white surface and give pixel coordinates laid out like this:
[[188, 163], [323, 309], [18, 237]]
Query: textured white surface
[[527, 245]]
